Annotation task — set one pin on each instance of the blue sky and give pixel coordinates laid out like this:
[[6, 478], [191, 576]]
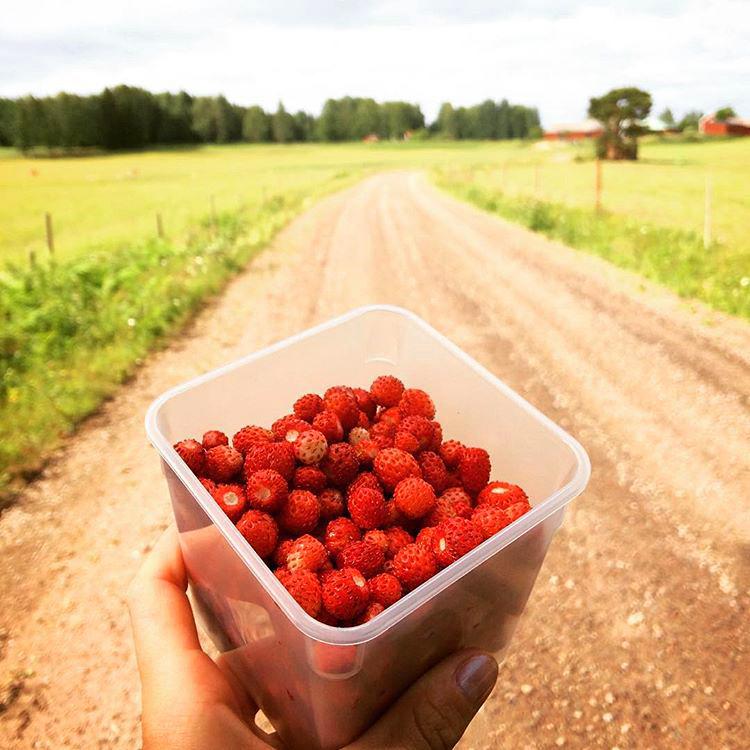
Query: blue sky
[[550, 54]]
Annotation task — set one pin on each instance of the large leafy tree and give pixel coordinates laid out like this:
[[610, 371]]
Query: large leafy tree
[[620, 111]]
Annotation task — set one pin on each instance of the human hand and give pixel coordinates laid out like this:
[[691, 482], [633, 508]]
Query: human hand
[[190, 703]]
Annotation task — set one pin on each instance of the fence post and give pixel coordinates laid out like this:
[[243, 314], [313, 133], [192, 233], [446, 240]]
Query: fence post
[[598, 186], [50, 233], [707, 214], [159, 226]]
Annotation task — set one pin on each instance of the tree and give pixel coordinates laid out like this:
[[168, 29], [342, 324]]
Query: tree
[[667, 118], [723, 114], [7, 122], [282, 125], [690, 120], [447, 121], [620, 111], [303, 126], [256, 125]]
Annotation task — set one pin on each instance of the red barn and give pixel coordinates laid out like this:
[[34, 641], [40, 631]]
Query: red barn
[[574, 131], [709, 125]]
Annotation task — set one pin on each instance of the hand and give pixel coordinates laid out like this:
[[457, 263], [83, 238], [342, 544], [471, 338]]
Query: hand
[[190, 703]]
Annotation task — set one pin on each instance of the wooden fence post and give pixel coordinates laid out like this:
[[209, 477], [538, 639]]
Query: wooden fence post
[[598, 186], [50, 233], [707, 214], [159, 227]]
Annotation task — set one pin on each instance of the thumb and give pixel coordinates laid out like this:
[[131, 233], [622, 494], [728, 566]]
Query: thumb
[[435, 711]]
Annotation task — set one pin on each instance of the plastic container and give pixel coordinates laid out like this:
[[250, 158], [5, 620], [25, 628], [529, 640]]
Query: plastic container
[[320, 685]]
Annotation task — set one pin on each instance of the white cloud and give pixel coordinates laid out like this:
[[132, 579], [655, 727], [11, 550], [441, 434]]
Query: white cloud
[[553, 55]]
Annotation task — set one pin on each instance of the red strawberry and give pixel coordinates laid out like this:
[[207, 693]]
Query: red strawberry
[[305, 588], [245, 437], [398, 537], [386, 390], [366, 451], [516, 510], [363, 420], [450, 452], [289, 427], [209, 484], [309, 478], [260, 530], [392, 415], [416, 402], [366, 557], [367, 508], [433, 470], [490, 519], [341, 464], [365, 402], [357, 434], [501, 494], [330, 425], [382, 434], [452, 503], [413, 565], [231, 499], [373, 610], [414, 498], [266, 490], [385, 589], [307, 553], [437, 436], [421, 428], [283, 575], [345, 593], [343, 403], [300, 512], [453, 480], [192, 453], [307, 406], [331, 503], [364, 479], [453, 539], [281, 552], [310, 446], [474, 468], [339, 533], [405, 441], [276, 456], [391, 465], [378, 537], [222, 463], [212, 438], [426, 537]]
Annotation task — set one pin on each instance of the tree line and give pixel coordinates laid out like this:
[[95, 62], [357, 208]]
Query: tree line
[[127, 117]]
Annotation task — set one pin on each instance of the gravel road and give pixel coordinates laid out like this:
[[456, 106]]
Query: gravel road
[[636, 635]]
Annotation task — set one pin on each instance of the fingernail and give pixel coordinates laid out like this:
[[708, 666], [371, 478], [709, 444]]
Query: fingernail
[[476, 677]]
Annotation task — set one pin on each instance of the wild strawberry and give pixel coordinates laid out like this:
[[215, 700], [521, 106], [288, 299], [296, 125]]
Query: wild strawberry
[[386, 390], [309, 478], [343, 403], [341, 464], [310, 446], [300, 513], [474, 468], [345, 593], [222, 463], [416, 402], [453, 480], [326, 617], [260, 530], [209, 484], [450, 452], [306, 553], [501, 494], [307, 406], [392, 415], [283, 575], [192, 453], [363, 420], [305, 589], [276, 456], [421, 428], [437, 436], [366, 451], [245, 437], [426, 537], [398, 537], [231, 499], [365, 402], [330, 425], [331, 503], [392, 465], [516, 510], [453, 503], [413, 565], [363, 479], [339, 533], [372, 611], [212, 438], [414, 498], [266, 490], [366, 557], [281, 552], [357, 434], [392, 515], [289, 427], [433, 470], [405, 441], [453, 539], [367, 508], [489, 519], [378, 537], [385, 589]]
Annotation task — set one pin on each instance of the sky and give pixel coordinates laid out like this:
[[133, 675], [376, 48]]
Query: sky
[[552, 55]]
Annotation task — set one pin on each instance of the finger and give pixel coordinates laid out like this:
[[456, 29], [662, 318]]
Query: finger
[[435, 711]]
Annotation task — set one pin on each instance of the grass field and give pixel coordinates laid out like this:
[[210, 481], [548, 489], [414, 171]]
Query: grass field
[[74, 328]]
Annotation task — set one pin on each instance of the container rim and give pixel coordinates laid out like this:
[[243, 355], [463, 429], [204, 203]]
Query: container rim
[[360, 634]]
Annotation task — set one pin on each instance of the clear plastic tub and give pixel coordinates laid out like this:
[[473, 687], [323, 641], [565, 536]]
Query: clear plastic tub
[[320, 685]]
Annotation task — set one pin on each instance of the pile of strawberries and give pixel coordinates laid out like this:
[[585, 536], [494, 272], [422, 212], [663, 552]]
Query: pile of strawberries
[[354, 499]]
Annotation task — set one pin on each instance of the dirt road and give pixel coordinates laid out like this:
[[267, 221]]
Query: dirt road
[[637, 633]]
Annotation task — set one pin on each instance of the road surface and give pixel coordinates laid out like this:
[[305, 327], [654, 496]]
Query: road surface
[[636, 635]]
